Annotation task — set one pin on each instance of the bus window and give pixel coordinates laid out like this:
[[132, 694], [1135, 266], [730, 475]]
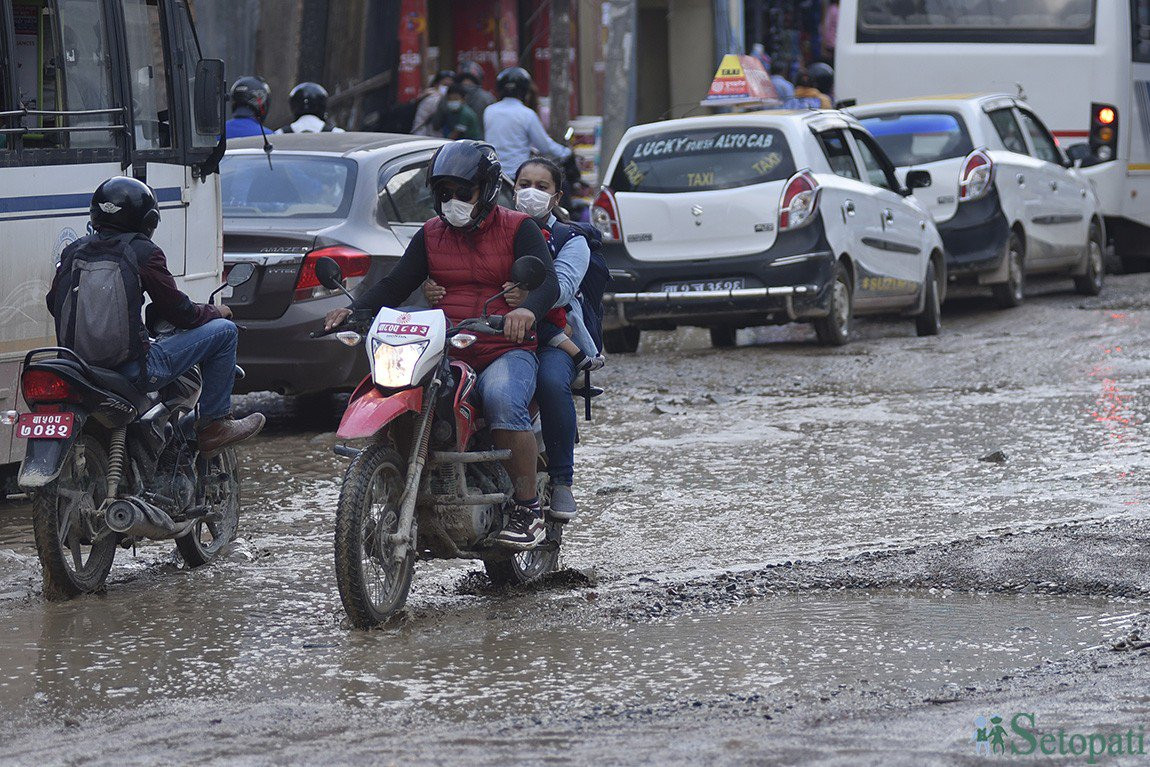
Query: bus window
[[189, 51], [1008, 130], [1044, 146], [6, 101], [147, 74], [976, 21], [87, 71], [1140, 26]]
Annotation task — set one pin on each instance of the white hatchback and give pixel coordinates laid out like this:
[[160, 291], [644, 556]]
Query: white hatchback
[[731, 221], [1006, 199]]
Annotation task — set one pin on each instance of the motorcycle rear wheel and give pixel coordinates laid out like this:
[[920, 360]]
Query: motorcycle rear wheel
[[372, 585], [64, 524], [203, 542]]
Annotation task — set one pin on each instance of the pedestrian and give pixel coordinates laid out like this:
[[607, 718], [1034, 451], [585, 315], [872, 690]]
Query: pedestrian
[[456, 119], [783, 87], [250, 97], [471, 78], [428, 103], [807, 96], [309, 107], [828, 30], [514, 129]]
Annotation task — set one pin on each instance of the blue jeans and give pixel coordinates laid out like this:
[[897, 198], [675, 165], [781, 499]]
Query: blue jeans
[[506, 387], [211, 345], [557, 412]]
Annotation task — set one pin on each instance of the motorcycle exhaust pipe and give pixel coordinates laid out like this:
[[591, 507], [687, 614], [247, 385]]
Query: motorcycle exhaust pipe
[[139, 519]]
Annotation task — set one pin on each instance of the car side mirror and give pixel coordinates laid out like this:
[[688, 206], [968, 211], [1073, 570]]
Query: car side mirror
[[210, 97], [918, 179], [528, 272], [1078, 155], [239, 274], [328, 273]]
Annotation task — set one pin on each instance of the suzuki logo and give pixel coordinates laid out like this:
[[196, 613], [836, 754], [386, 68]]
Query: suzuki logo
[[697, 212]]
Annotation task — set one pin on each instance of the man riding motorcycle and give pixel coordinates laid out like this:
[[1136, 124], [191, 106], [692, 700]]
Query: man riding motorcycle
[[469, 250]]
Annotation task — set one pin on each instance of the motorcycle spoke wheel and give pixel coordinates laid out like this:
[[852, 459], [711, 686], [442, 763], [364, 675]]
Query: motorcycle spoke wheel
[[222, 482], [528, 566], [75, 547]]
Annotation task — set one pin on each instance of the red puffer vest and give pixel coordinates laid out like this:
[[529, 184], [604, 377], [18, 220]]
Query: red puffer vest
[[472, 267]]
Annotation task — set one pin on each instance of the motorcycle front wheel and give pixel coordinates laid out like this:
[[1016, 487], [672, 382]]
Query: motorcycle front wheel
[[372, 584], [221, 481], [75, 546]]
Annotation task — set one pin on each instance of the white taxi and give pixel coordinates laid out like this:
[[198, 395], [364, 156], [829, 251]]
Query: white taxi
[[1007, 201], [737, 220]]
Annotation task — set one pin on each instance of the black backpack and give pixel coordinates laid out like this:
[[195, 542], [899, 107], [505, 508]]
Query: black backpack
[[595, 281], [97, 300]]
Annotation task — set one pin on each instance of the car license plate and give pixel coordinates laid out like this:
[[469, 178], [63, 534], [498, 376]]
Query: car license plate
[[45, 425], [698, 286]]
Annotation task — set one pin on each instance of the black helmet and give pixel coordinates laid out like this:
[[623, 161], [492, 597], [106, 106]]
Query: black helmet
[[125, 204], [824, 76], [251, 92], [308, 99], [514, 82], [471, 70], [469, 162]]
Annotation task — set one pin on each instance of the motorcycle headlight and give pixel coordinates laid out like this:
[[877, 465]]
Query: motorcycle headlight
[[394, 366]]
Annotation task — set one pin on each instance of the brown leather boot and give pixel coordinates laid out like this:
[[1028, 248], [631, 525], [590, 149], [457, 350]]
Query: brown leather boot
[[227, 431]]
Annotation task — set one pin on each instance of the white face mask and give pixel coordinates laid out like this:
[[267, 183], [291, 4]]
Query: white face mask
[[458, 213], [534, 202]]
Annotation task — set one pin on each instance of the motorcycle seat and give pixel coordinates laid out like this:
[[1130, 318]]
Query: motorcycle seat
[[118, 384]]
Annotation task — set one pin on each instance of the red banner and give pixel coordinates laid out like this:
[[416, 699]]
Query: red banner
[[475, 31], [412, 43]]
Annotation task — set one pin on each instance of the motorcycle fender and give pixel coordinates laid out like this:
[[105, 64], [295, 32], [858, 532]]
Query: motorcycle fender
[[372, 410], [44, 458]]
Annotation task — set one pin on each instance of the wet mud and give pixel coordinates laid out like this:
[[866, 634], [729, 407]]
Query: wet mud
[[784, 554]]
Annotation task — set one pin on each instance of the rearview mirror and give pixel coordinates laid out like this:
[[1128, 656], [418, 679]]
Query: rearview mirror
[[328, 273], [918, 179], [239, 274], [528, 272], [209, 103]]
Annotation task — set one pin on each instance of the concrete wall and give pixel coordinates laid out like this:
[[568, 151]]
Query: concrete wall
[[693, 59]]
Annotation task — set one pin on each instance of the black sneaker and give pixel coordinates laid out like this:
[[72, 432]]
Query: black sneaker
[[524, 529]]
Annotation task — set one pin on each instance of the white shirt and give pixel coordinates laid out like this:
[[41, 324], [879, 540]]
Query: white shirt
[[309, 124], [514, 130]]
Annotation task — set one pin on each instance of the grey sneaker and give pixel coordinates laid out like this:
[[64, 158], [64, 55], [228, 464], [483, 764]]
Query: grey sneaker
[[562, 503]]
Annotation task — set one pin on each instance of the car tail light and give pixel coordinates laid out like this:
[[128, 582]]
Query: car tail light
[[354, 264], [977, 176], [605, 216], [45, 386], [1103, 132], [800, 201]]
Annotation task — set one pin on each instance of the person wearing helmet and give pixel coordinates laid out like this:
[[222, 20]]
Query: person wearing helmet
[[807, 96], [474, 95], [124, 214], [824, 77], [514, 129], [309, 107], [468, 249], [424, 122], [250, 98]]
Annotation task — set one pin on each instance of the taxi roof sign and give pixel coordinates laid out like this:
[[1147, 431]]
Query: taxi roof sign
[[741, 80]]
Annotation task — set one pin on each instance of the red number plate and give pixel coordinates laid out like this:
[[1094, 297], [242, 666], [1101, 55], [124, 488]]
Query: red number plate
[[45, 425]]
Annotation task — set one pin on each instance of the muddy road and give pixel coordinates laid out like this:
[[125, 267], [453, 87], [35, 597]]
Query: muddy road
[[785, 554]]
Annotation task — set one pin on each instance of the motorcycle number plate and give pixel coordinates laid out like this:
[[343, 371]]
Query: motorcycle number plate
[[45, 425]]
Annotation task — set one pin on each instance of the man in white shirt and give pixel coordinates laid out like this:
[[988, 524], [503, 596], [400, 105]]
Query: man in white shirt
[[309, 105], [513, 128]]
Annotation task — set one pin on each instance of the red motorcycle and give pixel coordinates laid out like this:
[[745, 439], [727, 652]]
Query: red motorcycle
[[430, 484]]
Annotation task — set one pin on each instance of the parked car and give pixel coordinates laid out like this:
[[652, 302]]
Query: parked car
[[1006, 200], [356, 197], [731, 221]]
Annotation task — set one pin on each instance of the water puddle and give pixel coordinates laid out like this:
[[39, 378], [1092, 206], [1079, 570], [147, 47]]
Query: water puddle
[[471, 661]]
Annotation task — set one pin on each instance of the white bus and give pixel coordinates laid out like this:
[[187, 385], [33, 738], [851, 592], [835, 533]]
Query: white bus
[[1083, 65], [91, 89]]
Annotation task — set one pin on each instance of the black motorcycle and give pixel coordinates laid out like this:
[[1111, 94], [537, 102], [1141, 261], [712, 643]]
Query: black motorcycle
[[108, 465]]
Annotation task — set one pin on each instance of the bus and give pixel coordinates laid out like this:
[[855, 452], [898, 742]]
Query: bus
[[1083, 65], [91, 89]]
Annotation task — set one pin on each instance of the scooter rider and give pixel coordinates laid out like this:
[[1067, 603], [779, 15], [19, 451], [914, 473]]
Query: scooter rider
[[513, 129], [250, 98], [124, 207], [469, 250], [309, 106]]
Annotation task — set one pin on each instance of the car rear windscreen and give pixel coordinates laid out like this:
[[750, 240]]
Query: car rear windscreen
[[292, 187], [914, 139], [703, 159]]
